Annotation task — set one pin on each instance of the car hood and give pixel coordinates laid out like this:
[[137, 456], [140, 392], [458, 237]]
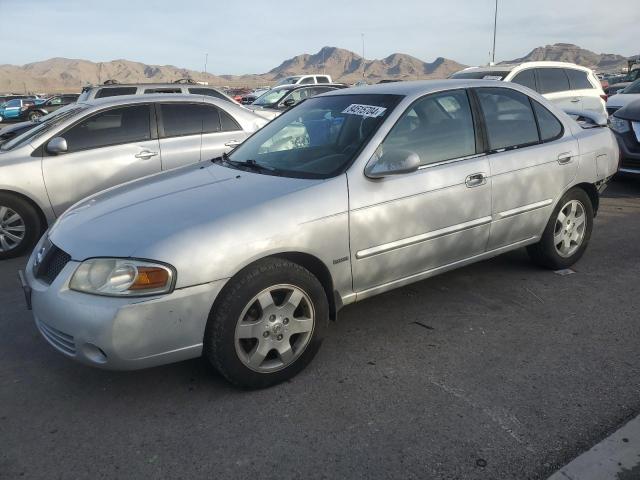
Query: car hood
[[181, 215], [631, 111], [622, 99]]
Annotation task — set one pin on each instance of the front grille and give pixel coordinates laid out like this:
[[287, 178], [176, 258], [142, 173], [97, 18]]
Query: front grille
[[612, 110], [62, 341], [52, 262]]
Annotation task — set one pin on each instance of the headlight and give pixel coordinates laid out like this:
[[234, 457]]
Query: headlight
[[619, 125], [122, 277]]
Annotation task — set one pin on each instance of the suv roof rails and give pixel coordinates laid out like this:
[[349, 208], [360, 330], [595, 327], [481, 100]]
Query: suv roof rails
[[111, 81]]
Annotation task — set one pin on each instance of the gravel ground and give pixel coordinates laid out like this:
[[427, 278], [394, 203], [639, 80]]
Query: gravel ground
[[499, 370]]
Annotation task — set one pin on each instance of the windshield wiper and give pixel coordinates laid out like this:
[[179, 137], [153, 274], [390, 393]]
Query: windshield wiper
[[251, 165]]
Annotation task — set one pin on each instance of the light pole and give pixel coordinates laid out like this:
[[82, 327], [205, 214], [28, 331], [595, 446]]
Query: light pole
[[362, 35], [495, 26]]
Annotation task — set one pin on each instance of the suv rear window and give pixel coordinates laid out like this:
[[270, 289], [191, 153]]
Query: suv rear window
[[552, 80], [115, 91], [578, 79]]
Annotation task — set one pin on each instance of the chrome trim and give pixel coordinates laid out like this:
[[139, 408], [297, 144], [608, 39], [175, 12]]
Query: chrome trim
[[524, 209], [423, 237], [435, 271], [453, 160], [629, 170]]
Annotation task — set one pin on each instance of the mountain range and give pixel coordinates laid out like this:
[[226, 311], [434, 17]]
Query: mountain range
[[67, 75]]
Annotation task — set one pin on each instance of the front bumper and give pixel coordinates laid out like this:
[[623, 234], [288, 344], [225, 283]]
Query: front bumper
[[629, 153], [121, 333]]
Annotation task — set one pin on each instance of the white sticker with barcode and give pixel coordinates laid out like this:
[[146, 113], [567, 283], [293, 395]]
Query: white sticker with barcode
[[365, 110]]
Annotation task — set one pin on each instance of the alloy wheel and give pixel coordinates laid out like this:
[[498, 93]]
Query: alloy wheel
[[570, 228], [12, 229], [274, 328]]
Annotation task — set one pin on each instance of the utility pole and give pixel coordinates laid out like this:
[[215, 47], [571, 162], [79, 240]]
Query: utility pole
[[362, 35], [495, 26]]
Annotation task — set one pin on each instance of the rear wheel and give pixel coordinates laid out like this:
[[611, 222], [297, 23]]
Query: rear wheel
[[267, 325], [567, 233], [20, 226]]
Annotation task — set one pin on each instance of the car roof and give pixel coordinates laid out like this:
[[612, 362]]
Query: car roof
[[154, 97], [151, 85], [418, 88], [501, 67]]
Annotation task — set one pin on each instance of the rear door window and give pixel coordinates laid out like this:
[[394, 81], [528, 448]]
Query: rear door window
[[180, 119], [307, 81], [228, 123], [111, 127], [526, 78], [552, 80], [508, 118], [322, 79], [578, 79], [115, 91]]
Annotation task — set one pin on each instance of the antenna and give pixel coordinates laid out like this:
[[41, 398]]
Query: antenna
[[495, 26], [362, 35], [206, 58]]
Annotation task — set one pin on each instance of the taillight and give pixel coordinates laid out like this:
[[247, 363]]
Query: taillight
[[604, 97]]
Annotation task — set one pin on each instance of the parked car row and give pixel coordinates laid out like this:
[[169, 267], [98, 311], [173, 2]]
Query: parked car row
[[243, 256]]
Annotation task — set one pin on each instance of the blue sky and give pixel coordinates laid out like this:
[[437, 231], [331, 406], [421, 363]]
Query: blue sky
[[254, 36]]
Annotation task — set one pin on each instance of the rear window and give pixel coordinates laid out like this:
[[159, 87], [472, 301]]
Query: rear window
[[481, 74], [323, 79], [115, 91], [210, 92], [578, 79], [552, 80]]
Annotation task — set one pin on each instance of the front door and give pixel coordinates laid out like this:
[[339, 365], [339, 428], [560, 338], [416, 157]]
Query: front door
[[405, 225], [105, 149]]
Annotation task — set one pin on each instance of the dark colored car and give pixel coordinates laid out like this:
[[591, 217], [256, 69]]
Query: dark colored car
[[625, 123], [625, 81], [34, 112]]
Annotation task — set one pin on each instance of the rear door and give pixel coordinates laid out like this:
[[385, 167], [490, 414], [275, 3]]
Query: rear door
[[532, 159], [104, 149], [221, 132], [180, 132], [553, 84], [581, 87]]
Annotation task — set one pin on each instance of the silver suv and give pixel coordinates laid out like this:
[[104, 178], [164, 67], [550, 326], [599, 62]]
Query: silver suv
[[91, 92], [96, 145]]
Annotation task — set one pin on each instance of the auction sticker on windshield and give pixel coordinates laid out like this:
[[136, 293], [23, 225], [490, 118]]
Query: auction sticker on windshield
[[364, 110]]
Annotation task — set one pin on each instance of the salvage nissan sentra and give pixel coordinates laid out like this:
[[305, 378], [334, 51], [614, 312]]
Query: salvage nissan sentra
[[245, 259]]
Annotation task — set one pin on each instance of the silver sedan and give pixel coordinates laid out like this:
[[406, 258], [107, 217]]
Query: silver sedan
[[245, 259], [89, 146]]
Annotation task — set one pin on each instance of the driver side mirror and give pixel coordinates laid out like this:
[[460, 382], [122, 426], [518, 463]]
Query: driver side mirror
[[393, 162], [289, 102], [57, 145]]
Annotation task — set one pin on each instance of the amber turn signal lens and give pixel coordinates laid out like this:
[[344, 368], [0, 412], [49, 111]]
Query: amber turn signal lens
[[150, 278]]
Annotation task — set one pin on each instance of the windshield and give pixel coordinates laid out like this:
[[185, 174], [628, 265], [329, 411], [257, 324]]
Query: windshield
[[481, 75], [633, 88], [41, 127], [287, 81], [271, 97], [319, 138]]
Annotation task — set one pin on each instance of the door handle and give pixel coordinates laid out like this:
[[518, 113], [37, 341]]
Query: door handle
[[232, 143], [575, 100], [146, 154], [564, 158], [475, 180]]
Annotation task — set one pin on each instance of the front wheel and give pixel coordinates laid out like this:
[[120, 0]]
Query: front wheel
[[35, 116], [267, 324], [20, 226], [567, 233]]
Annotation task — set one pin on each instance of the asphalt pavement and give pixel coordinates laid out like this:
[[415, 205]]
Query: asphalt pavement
[[500, 370]]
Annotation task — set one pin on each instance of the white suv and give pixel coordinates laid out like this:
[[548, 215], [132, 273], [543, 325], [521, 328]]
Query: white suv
[[304, 80], [568, 85]]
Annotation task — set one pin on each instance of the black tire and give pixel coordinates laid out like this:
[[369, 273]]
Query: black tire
[[544, 253], [219, 340], [33, 116], [32, 223]]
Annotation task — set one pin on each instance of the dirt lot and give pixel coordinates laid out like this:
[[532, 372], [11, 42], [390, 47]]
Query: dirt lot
[[499, 370]]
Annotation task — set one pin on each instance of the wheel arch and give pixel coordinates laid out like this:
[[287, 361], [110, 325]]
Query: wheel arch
[[30, 201], [591, 190]]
